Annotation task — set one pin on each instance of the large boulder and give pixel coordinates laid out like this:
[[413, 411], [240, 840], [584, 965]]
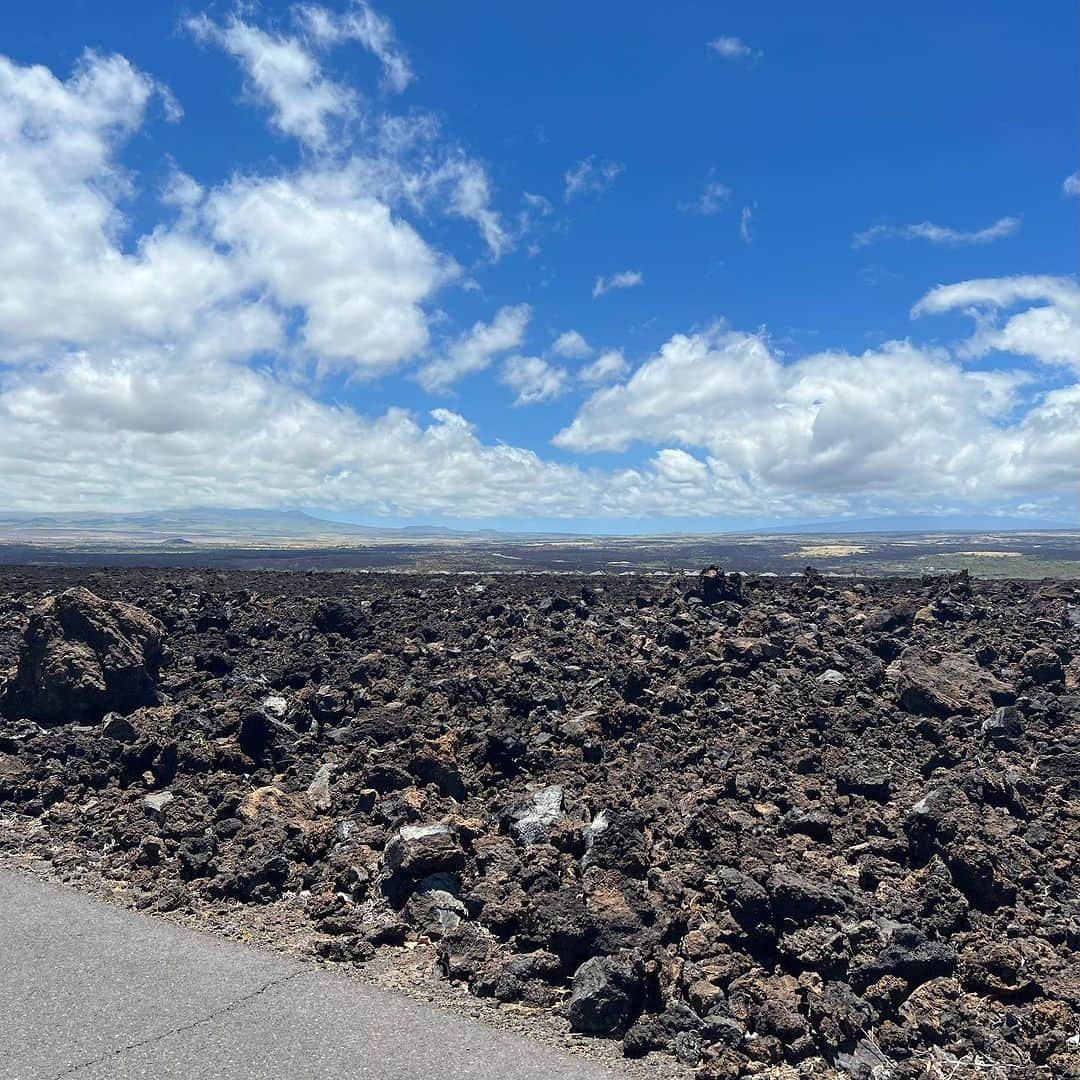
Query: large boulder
[[415, 851], [945, 684], [1042, 666], [606, 995], [334, 617], [83, 657]]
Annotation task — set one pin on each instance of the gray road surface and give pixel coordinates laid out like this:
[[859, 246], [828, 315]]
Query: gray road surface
[[91, 991]]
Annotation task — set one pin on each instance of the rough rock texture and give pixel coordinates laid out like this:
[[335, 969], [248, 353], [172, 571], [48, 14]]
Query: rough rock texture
[[933, 683], [773, 827], [83, 657], [606, 995]]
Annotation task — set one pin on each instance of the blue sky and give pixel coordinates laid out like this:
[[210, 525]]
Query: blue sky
[[820, 261]]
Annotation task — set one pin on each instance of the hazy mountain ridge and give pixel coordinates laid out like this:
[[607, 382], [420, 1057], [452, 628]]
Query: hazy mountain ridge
[[209, 526], [206, 525]]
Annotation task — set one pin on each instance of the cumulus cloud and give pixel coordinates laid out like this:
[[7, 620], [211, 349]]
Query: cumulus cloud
[[533, 379], [320, 249], [159, 369], [938, 234], [624, 279], [606, 367], [475, 350], [154, 429], [66, 275], [733, 48], [149, 429], [590, 175], [1049, 332], [403, 157], [572, 345], [1071, 185], [899, 422], [181, 190], [321, 245], [679, 467]]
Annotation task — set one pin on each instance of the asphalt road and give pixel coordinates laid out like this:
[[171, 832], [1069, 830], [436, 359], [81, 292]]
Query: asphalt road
[[92, 991]]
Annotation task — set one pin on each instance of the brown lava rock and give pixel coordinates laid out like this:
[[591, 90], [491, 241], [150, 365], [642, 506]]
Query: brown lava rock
[[766, 826], [83, 657]]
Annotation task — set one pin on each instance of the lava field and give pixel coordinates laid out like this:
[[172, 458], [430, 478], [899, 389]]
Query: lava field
[[775, 827]]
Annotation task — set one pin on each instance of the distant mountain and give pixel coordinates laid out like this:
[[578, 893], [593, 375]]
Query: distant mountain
[[919, 523], [206, 526], [283, 528]]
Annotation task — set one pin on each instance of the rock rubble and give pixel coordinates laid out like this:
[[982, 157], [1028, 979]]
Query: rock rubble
[[759, 825]]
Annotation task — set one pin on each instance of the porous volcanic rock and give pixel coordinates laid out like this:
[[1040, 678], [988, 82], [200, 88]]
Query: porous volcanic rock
[[776, 827], [933, 683], [606, 994], [83, 657]]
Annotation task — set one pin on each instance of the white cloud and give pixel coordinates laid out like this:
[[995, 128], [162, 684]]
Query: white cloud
[[320, 244], [572, 345], [938, 234], [1071, 185], [411, 166], [155, 430], [533, 379], [733, 48], [624, 279], [1049, 332], [682, 385], [366, 26], [132, 430], [537, 202], [475, 350], [159, 428], [711, 199], [590, 175], [315, 244], [131, 380], [470, 197], [67, 277], [679, 467], [283, 74], [1044, 448], [404, 159], [607, 366], [746, 217], [182, 191], [320, 248], [900, 422], [152, 430]]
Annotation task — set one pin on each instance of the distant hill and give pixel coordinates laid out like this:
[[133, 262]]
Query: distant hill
[[206, 526], [917, 523], [202, 527]]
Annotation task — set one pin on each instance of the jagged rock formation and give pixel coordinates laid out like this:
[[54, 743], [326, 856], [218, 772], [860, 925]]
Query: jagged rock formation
[[757, 825], [83, 657]]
